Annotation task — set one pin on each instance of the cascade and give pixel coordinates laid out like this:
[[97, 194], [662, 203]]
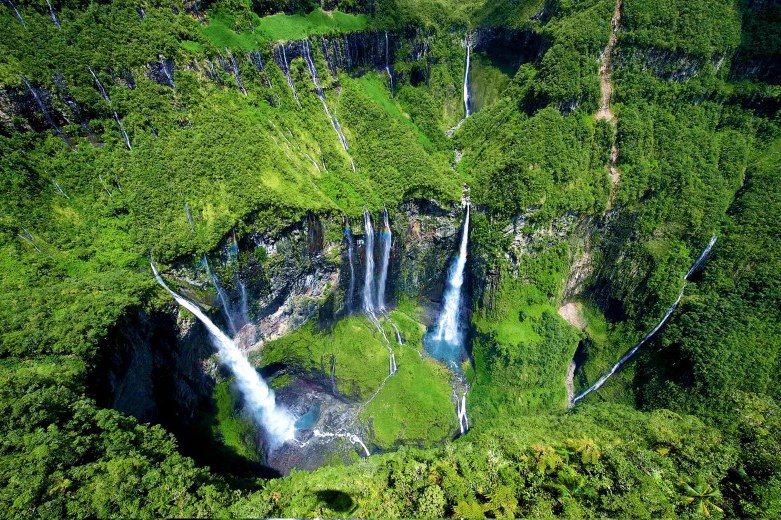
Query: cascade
[[348, 236], [368, 277], [448, 328], [445, 341], [386, 239], [104, 94], [236, 76], [221, 295], [60, 190], [463, 420], [387, 63], [42, 107], [631, 352], [467, 100], [53, 15], [349, 436], [286, 70], [13, 8], [258, 397], [244, 302], [702, 258], [398, 334], [321, 95]]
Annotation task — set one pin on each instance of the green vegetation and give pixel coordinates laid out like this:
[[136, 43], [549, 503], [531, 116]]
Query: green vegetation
[[690, 428]]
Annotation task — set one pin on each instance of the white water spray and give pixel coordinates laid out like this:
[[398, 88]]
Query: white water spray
[[321, 96], [368, 277], [386, 239], [221, 295], [467, 100], [340, 435], [463, 420], [104, 94], [53, 15], [42, 107], [449, 327], [17, 14], [387, 63], [348, 235], [258, 398], [286, 71]]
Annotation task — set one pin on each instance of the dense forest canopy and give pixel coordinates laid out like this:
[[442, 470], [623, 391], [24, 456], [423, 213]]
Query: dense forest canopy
[[244, 147]]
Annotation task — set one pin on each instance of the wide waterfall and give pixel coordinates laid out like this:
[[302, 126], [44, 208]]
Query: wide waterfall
[[258, 397], [386, 240], [368, 277], [467, 97], [446, 341], [221, 295], [348, 236], [629, 354], [104, 95], [321, 95]]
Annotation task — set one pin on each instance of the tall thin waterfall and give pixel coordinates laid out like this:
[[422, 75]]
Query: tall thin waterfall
[[13, 8], [258, 397], [348, 236], [387, 62], [286, 70], [53, 15], [368, 277], [236, 75], [104, 95], [222, 296], [463, 419], [42, 107], [386, 239], [629, 354], [321, 95], [244, 303], [449, 326], [467, 97]]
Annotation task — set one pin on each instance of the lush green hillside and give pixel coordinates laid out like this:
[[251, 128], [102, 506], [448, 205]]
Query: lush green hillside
[[569, 205]]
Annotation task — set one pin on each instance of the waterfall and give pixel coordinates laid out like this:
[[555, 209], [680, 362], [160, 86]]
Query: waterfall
[[42, 107], [258, 397], [244, 301], [104, 95], [349, 436], [53, 15], [166, 72], [702, 258], [387, 63], [189, 216], [449, 326], [368, 277], [467, 100], [463, 420], [321, 95], [348, 236], [221, 295], [629, 354], [386, 239], [398, 334], [286, 70], [445, 341], [13, 8], [236, 76]]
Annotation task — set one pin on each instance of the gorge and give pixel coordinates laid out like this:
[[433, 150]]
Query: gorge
[[390, 259]]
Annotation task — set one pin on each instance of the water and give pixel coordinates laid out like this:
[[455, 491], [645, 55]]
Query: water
[[446, 341], [53, 15], [629, 354], [236, 76], [463, 420], [702, 258], [189, 216], [42, 107], [467, 100], [286, 70], [321, 96], [387, 63], [348, 236], [167, 71], [386, 239], [259, 401], [349, 436], [309, 419], [398, 334], [222, 297], [368, 277], [104, 95], [17, 14]]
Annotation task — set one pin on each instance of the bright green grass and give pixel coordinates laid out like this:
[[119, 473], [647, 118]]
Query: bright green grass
[[413, 406], [231, 428], [280, 27]]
